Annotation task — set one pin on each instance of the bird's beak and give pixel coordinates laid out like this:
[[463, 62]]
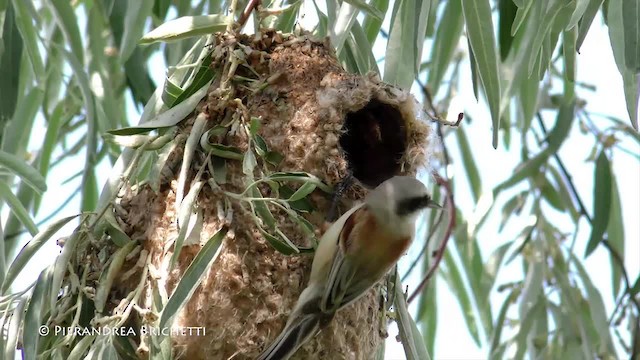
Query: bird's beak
[[433, 205]]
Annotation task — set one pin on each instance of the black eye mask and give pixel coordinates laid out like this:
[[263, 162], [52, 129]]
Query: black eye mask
[[411, 205]]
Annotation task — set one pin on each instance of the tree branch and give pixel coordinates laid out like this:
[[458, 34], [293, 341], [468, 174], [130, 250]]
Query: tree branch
[[446, 184], [247, 12], [619, 261], [445, 239]]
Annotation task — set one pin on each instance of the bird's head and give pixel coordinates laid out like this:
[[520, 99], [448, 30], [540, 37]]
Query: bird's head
[[398, 201]]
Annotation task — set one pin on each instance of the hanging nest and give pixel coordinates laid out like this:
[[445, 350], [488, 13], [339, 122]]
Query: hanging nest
[[279, 107]]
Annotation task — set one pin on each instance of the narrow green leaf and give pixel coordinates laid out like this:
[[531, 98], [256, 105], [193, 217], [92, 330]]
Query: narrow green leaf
[[18, 210], [406, 37], [544, 28], [29, 249], [138, 78], [261, 209], [477, 15], [112, 228], [170, 92], [134, 22], [371, 24], [569, 38], [520, 17], [192, 277], [281, 246], [57, 118], [631, 26], [587, 19], [601, 201], [557, 135], [492, 266], [615, 234], [107, 278], [167, 118], [302, 192], [345, 18], [431, 22], [502, 316], [202, 79], [635, 289], [469, 164], [224, 151], [368, 8], [598, 311], [19, 128], [428, 314], [89, 189], [302, 205], [54, 68], [445, 43], [565, 194], [249, 162], [551, 194], [35, 313], [581, 7], [187, 26], [62, 261], [13, 329], [414, 347], [616, 36], [507, 13], [287, 18], [532, 324], [514, 205], [11, 45], [3, 264], [360, 46], [26, 172], [456, 284], [68, 22], [185, 212], [24, 23], [532, 287], [475, 77], [301, 177]]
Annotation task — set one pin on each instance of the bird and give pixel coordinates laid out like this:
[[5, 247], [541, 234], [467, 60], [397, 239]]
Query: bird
[[355, 252]]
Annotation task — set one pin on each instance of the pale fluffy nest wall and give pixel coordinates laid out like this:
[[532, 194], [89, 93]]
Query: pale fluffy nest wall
[[245, 298]]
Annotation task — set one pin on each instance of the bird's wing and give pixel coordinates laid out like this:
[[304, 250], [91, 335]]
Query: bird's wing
[[346, 281]]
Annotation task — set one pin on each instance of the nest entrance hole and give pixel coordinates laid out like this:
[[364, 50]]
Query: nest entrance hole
[[374, 140]]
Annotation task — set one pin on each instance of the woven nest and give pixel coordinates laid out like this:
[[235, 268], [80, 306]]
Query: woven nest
[[323, 121]]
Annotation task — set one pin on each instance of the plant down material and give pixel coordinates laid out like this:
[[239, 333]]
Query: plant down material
[[253, 167]]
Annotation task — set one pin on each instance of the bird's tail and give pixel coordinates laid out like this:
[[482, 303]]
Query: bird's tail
[[294, 335]]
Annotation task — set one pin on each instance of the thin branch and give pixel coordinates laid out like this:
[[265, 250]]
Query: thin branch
[[439, 254], [567, 176], [429, 237], [605, 242], [247, 12]]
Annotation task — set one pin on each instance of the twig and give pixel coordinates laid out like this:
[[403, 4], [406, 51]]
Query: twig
[[247, 12], [439, 254], [565, 173], [429, 237], [605, 242]]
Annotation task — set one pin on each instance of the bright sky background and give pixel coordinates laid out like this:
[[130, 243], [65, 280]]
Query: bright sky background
[[595, 66]]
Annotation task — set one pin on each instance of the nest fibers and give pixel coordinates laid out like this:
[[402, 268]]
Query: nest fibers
[[322, 121]]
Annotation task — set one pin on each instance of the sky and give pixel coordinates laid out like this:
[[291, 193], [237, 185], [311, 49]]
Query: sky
[[595, 66]]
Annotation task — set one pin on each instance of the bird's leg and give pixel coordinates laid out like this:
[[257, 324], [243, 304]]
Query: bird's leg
[[340, 188]]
